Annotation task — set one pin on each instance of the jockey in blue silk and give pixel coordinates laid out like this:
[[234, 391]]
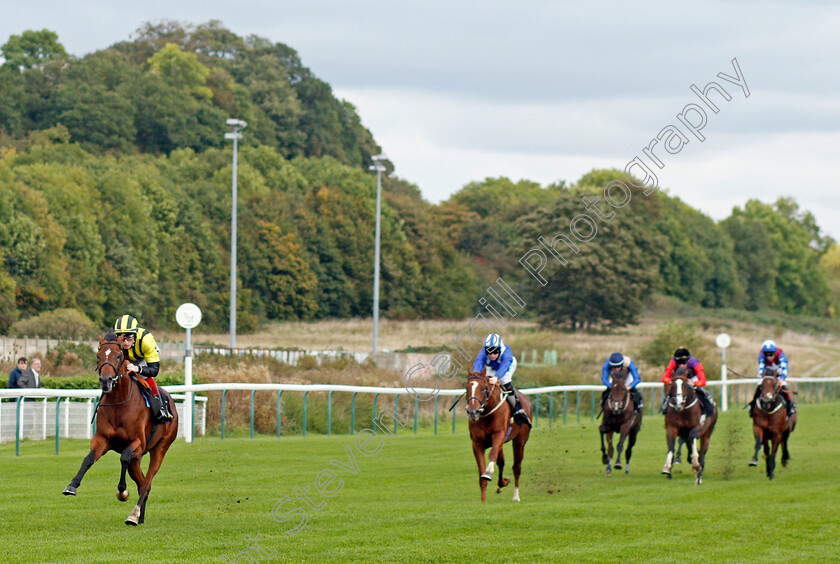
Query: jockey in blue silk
[[771, 356], [499, 362], [624, 366]]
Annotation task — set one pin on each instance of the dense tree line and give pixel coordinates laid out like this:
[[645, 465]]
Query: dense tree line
[[115, 196]]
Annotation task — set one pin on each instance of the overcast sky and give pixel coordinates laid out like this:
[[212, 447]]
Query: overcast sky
[[545, 90]]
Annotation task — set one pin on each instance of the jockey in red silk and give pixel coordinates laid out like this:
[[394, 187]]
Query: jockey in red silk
[[771, 356], [144, 360], [499, 362], [697, 378]]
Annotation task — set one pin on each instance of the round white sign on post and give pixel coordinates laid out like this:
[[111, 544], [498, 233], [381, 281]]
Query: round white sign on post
[[188, 315], [723, 340]]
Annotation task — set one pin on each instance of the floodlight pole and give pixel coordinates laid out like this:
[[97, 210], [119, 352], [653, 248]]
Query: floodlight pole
[[379, 168], [237, 125]]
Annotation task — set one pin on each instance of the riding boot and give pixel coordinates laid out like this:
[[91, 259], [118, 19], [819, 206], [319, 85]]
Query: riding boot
[[705, 401], [789, 405], [160, 410], [519, 414], [664, 407], [637, 399]]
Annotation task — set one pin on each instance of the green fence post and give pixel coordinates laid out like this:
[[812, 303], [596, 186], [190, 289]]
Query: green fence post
[[57, 422], [416, 407], [396, 411], [436, 413], [224, 398], [329, 413], [375, 397], [192, 415], [353, 414], [17, 426], [252, 412], [95, 405], [578, 406], [550, 407], [305, 394], [279, 413], [536, 410], [453, 420], [565, 405], [592, 407], [652, 401]]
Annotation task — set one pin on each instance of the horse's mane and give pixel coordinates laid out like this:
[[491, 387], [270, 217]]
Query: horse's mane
[[110, 335]]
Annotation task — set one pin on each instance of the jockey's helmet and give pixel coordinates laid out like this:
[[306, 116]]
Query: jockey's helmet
[[769, 347], [493, 343], [681, 355], [616, 359], [125, 324]]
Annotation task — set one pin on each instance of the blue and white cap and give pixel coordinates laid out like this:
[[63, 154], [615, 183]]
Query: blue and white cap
[[493, 343], [768, 346]]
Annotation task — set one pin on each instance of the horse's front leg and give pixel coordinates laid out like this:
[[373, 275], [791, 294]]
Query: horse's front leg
[[758, 440], [670, 436], [478, 451], [501, 463], [495, 449], [693, 437], [619, 449], [125, 459], [771, 460], [604, 458], [98, 447]]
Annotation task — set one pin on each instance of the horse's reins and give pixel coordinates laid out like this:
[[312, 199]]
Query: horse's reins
[[671, 400], [116, 379], [776, 394], [487, 392]]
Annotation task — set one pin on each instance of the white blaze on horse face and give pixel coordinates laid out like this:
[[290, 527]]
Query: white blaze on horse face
[[679, 393], [472, 393], [107, 352]]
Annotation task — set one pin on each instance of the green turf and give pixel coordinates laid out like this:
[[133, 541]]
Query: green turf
[[418, 501]]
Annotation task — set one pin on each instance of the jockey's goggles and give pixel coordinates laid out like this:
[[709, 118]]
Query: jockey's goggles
[[492, 350]]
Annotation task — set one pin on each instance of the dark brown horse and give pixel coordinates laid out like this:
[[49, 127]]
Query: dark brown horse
[[620, 416], [684, 419], [124, 424], [491, 426], [771, 423]]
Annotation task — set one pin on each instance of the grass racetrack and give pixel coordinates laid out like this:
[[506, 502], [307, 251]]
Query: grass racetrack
[[417, 500]]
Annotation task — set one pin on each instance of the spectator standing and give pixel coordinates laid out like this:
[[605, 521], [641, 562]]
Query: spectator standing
[[31, 378], [17, 372]]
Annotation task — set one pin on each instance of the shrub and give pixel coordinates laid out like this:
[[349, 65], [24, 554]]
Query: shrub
[[56, 324], [71, 359]]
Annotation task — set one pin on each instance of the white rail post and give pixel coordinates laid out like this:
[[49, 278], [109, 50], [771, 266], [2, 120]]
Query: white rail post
[[723, 340]]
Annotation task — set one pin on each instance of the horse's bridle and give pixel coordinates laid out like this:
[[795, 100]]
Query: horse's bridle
[[776, 395], [614, 406], [116, 377], [487, 392], [671, 402]]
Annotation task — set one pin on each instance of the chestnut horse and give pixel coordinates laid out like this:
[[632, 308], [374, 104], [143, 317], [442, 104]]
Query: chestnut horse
[[771, 422], [491, 426], [620, 416], [124, 424], [684, 419]]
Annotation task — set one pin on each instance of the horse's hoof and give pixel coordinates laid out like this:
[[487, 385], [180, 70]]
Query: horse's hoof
[[677, 460], [669, 475], [754, 462], [487, 476], [131, 522], [123, 496], [505, 482], [608, 472], [627, 470], [69, 490], [784, 463], [617, 465]]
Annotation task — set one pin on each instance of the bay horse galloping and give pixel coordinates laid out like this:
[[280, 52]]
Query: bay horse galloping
[[771, 423], [491, 425], [620, 416], [684, 419], [124, 424]]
